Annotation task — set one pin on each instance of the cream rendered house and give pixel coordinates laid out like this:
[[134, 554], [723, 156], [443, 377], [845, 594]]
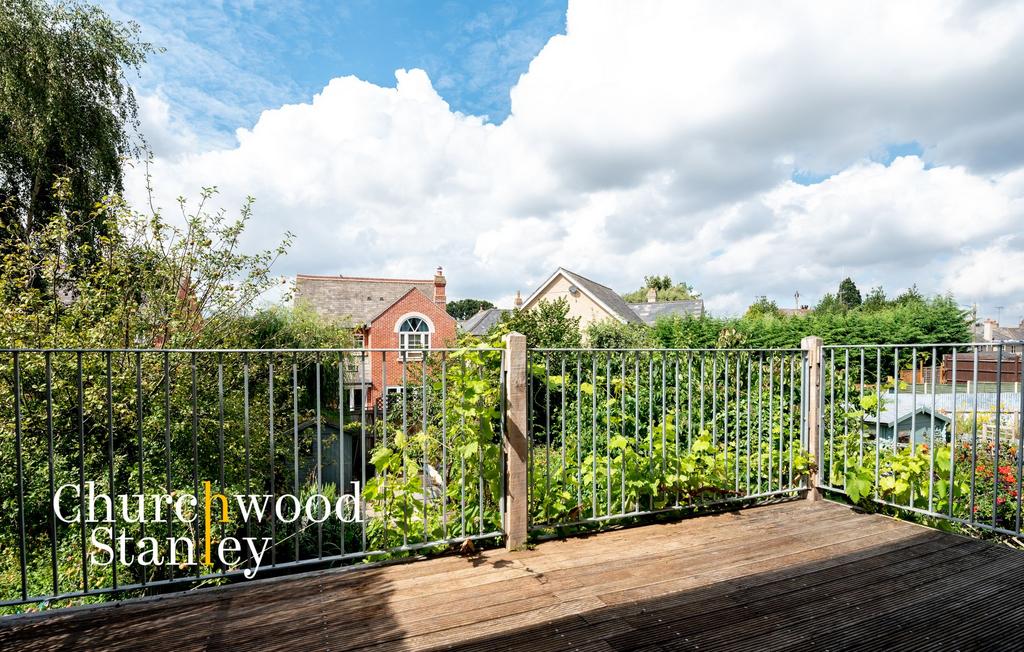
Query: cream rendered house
[[588, 300]]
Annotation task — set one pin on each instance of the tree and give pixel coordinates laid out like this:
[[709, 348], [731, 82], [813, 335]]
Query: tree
[[829, 303], [612, 334], [665, 289], [66, 112], [911, 296], [546, 325], [763, 307], [466, 308], [849, 295], [875, 300]]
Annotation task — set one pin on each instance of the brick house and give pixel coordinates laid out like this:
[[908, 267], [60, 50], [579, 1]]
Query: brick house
[[385, 313]]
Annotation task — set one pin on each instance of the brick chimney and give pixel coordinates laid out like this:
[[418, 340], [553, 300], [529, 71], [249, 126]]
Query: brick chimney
[[518, 300], [439, 282], [987, 332], [652, 295]]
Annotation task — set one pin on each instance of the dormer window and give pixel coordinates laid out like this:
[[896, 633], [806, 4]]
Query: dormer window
[[414, 336]]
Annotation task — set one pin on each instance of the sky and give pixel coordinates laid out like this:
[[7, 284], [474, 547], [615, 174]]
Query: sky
[[746, 148]]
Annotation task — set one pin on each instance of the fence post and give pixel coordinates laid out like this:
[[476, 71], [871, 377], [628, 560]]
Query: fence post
[[812, 346], [516, 441]]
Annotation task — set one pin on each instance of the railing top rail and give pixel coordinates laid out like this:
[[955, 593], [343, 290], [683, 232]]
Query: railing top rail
[[664, 350], [922, 345], [259, 351]]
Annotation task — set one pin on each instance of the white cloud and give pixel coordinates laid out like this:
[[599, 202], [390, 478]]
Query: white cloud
[[660, 137]]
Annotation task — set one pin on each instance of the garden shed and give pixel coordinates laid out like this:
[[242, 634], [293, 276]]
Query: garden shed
[[909, 420]]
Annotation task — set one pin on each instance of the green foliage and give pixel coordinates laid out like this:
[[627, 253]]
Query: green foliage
[[466, 308], [932, 320], [547, 325], [666, 290], [298, 327], [611, 334], [146, 282], [763, 307], [67, 111], [849, 295], [875, 300]]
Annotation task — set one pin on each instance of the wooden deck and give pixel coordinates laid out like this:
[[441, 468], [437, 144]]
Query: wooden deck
[[795, 575]]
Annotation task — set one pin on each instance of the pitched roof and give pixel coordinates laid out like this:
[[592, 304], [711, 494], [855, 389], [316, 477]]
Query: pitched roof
[[650, 312], [887, 416], [483, 321], [606, 297], [358, 299]]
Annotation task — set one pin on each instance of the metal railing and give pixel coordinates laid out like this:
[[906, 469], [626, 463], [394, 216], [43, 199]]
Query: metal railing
[[423, 447], [891, 436], [623, 433]]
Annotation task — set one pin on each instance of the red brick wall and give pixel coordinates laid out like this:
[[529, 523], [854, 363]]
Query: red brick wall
[[382, 335]]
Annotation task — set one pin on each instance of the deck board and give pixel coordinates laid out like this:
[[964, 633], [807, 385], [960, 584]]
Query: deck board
[[785, 576]]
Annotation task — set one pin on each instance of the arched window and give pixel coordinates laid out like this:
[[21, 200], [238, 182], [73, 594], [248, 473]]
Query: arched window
[[414, 334]]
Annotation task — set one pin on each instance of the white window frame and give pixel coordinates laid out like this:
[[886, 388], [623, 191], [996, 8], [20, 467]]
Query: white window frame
[[424, 337]]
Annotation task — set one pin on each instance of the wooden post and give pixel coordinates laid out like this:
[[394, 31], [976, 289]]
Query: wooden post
[[516, 442], [812, 345]]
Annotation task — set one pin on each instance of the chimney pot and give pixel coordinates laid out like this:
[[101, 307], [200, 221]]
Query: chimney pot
[[439, 283], [518, 300], [987, 329], [652, 295]]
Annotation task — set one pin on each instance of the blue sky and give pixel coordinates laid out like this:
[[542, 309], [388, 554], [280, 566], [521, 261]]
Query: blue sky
[[747, 148], [224, 63]]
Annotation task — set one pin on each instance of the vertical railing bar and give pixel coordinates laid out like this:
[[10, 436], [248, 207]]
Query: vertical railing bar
[[547, 433], [195, 446], [952, 439], [50, 470], [246, 443], [142, 450], [760, 418], [750, 395], [792, 390], [362, 434], [831, 418], [404, 356], [931, 438], [689, 400], [636, 412], [998, 419], [593, 435], [273, 455], [462, 432], [878, 416], [974, 434], [480, 476], [845, 410], [502, 448], [81, 470], [579, 430], [423, 399], [714, 401], [444, 441], [664, 421], [771, 418], [650, 421], [167, 443], [561, 411], [295, 443], [781, 411], [736, 424], [342, 485], [1020, 433], [860, 427], [622, 489], [675, 419], [20, 479], [318, 457], [608, 427], [110, 468], [726, 378], [702, 354], [531, 427]]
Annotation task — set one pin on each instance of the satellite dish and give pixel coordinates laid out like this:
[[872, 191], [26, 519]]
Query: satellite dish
[[573, 290]]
